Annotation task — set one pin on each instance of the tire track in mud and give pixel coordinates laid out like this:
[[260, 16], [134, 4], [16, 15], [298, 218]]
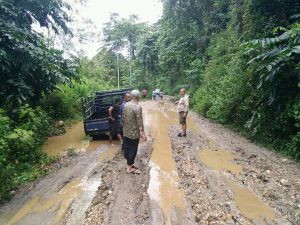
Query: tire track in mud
[[57, 197], [205, 190], [212, 194], [122, 198], [272, 177]]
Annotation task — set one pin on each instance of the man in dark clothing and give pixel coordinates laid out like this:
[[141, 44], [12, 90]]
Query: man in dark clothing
[[114, 121]]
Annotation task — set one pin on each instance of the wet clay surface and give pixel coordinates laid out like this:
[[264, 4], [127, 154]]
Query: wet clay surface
[[218, 196], [251, 206], [163, 187], [219, 160], [228, 180], [247, 202], [74, 139], [212, 176], [122, 198], [150, 198], [64, 196]]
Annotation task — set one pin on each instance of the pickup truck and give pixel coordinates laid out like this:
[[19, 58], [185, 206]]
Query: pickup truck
[[95, 111]]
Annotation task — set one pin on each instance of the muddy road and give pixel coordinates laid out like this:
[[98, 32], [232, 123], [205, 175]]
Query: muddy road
[[213, 176]]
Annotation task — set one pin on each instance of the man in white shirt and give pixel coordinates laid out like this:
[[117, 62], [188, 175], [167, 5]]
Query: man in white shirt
[[183, 109]]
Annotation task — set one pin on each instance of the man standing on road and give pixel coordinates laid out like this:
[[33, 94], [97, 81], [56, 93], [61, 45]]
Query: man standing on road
[[114, 121], [183, 109], [145, 93], [133, 129]]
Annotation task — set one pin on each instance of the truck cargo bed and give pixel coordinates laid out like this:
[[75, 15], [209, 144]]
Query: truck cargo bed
[[95, 110]]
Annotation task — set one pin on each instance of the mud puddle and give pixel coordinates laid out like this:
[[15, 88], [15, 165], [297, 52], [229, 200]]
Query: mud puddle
[[163, 187], [60, 201], [219, 160], [246, 201], [66, 193], [251, 206], [74, 139], [110, 152]]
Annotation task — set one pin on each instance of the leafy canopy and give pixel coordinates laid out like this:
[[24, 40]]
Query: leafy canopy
[[28, 67]]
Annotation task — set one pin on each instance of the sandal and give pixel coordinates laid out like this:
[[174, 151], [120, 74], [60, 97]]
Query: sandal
[[181, 135], [134, 167], [134, 171]]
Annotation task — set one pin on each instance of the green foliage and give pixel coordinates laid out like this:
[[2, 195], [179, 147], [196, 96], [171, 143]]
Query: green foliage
[[238, 59], [256, 92], [65, 103], [277, 54], [102, 68], [28, 67], [20, 147], [120, 33], [223, 80], [23, 133], [5, 167]]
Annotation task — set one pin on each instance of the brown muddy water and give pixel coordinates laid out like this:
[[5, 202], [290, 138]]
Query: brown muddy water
[[74, 139], [219, 160], [246, 201], [39, 205], [59, 203], [163, 185], [82, 188], [251, 206], [164, 181]]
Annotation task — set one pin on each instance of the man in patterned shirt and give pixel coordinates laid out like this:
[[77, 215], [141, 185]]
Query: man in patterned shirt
[[133, 130]]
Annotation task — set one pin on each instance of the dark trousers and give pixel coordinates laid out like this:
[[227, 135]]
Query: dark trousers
[[130, 147]]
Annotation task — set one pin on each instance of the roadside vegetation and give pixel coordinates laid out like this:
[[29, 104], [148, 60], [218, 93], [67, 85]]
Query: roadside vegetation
[[240, 61], [39, 86]]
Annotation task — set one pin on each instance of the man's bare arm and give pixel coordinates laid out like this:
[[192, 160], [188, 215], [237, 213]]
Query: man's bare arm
[[110, 113], [141, 124]]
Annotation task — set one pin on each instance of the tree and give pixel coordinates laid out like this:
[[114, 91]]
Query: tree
[[278, 53], [120, 33], [28, 67]]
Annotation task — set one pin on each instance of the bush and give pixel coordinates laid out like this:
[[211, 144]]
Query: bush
[[65, 102], [26, 139], [6, 167], [21, 147], [231, 93]]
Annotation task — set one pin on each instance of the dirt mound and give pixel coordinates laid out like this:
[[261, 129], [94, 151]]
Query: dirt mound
[[122, 198]]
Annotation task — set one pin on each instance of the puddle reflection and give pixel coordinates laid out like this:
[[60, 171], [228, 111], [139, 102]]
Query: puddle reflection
[[163, 185]]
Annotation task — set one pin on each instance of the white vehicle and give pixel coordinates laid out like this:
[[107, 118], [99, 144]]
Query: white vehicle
[[155, 94]]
